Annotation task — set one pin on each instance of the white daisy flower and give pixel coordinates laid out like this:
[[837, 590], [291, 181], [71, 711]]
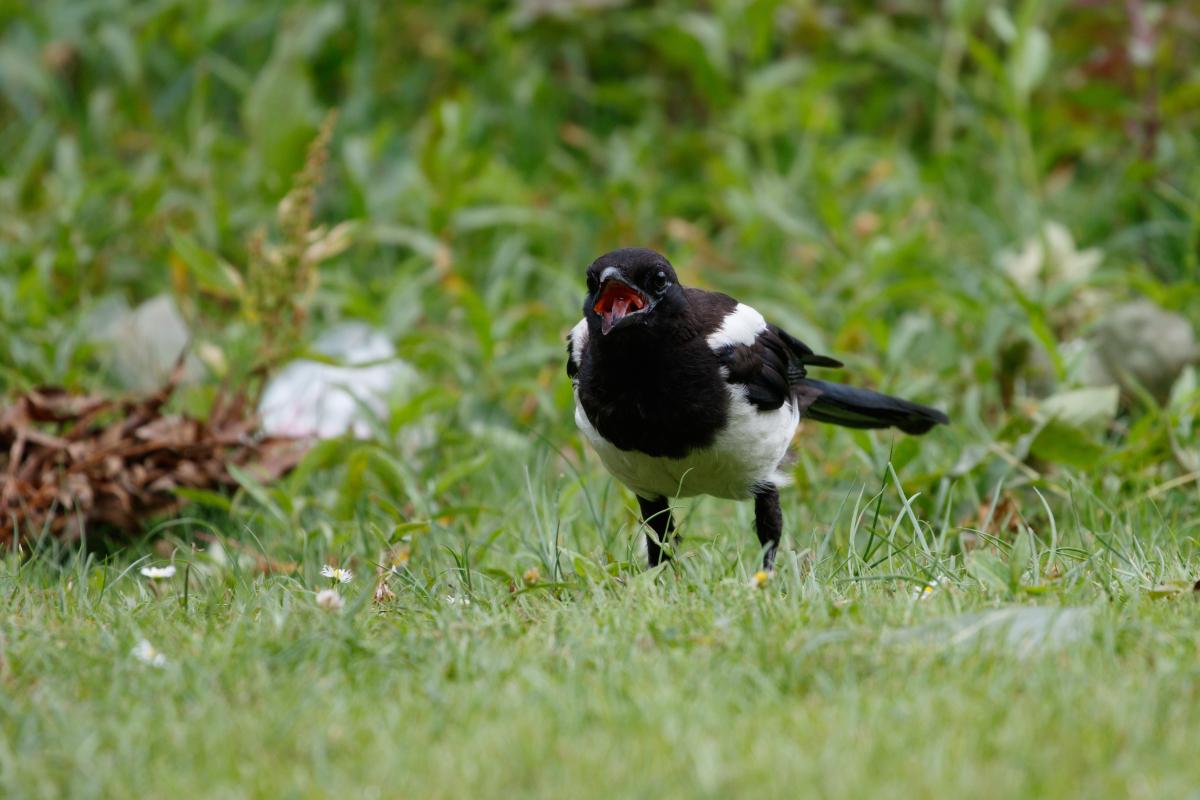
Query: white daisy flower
[[457, 600], [155, 573], [330, 600], [149, 654], [339, 574], [923, 591]]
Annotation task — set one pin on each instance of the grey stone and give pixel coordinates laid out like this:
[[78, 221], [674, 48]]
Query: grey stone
[[1140, 343]]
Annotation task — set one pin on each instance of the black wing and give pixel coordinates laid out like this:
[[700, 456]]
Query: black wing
[[802, 355], [771, 367]]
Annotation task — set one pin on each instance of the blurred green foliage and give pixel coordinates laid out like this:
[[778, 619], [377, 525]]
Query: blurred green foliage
[[851, 162]]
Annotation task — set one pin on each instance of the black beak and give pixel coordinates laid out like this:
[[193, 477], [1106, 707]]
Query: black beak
[[617, 300]]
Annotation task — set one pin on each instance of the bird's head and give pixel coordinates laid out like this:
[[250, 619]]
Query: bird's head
[[630, 289]]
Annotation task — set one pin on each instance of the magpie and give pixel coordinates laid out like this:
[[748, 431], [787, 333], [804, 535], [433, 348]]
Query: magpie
[[683, 392]]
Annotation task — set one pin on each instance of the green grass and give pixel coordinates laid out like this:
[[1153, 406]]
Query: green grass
[[856, 173], [690, 683]]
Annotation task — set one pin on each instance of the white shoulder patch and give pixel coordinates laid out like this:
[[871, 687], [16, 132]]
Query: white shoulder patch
[[579, 337], [740, 327]]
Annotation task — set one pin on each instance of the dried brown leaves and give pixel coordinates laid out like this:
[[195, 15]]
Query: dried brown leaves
[[71, 462]]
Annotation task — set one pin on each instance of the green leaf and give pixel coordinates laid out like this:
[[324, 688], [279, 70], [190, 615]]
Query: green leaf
[[1019, 559], [1061, 443], [315, 28], [589, 570], [1001, 24], [480, 320], [709, 34], [281, 114], [1029, 61], [1184, 390], [1171, 589], [257, 491], [323, 455], [390, 473], [1083, 408], [500, 575], [203, 497], [122, 51], [403, 529], [456, 472], [212, 275], [990, 571]]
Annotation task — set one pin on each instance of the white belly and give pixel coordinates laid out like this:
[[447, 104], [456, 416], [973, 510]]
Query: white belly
[[746, 454]]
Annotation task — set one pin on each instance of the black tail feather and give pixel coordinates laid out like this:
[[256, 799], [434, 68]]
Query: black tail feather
[[862, 408]]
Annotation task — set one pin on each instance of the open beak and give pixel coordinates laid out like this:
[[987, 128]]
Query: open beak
[[616, 301]]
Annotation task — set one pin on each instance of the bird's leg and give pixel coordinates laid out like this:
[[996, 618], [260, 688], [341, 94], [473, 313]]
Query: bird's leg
[[657, 514], [768, 522]]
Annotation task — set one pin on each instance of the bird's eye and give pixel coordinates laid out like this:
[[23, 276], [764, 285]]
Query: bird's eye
[[660, 281]]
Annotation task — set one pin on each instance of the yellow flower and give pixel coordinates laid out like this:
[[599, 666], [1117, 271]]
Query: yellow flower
[[760, 579], [532, 575]]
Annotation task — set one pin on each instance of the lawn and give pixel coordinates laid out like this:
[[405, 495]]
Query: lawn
[[991, 208]]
